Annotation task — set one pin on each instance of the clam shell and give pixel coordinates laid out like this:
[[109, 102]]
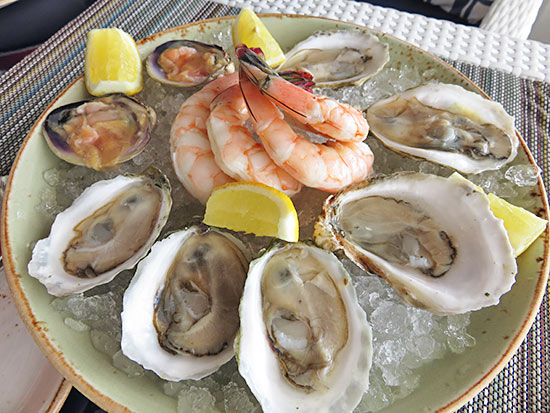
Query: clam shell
[[222, 62], [131, 110]]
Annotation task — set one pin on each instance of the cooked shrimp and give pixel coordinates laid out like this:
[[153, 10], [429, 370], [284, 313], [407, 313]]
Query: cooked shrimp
[[324, 115], [236, 152], [329, 167], [192, 156]]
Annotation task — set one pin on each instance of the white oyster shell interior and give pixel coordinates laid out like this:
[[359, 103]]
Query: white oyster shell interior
[[180, 311], [106, 230], [446, 124], [338, 58], [276, 360], [449, 254]]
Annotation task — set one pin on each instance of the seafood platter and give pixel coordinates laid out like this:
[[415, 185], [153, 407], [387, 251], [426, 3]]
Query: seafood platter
[[404, 291]]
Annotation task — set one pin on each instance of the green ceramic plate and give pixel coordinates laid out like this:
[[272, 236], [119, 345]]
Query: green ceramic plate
[[498, 330]]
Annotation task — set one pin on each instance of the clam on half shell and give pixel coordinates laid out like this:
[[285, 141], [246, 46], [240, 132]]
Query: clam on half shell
[[180, 312], [101, 132], [304, 344], [106, 230], [434, 239], [187, 63], [448, 125], [338, 58]]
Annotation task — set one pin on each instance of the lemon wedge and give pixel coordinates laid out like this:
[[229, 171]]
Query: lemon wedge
[[253, 207], [112, 63], [523, 227], [249, 29]]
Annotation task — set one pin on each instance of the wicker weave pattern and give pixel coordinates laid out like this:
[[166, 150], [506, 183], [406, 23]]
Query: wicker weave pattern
[[446, 39], [513, 18]]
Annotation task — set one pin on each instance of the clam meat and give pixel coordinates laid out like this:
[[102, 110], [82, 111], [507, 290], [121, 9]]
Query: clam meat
[[180, 313], [448, 125], [106, 230], [101, 132], [187, 63], [434, 239], [304, 344]]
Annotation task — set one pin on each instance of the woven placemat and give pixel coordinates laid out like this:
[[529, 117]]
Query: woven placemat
[[27, 89]]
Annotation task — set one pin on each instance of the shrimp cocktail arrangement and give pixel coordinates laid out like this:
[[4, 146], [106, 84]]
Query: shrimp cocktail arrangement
[[249, 139]]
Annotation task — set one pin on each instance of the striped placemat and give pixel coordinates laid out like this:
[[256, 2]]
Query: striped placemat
[[27, 89], [523, 385]]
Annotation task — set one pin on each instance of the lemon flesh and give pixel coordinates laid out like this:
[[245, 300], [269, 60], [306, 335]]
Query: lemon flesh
[[254, 208], [250, 30], [112, 63], [522, 226]]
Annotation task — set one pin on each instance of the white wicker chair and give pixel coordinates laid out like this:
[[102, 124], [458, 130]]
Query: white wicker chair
[[512, 18]]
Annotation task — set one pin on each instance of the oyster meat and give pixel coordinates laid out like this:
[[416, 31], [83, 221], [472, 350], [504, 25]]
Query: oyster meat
[[446, 124], [187, 63], [434, 239], [106, 230], [101, 132], [305, 344], [338, 58], [180, 313]]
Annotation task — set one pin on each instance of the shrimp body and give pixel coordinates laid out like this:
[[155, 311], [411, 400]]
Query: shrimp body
[[322, 114], [236, 152], [192, 156], [330, 166]]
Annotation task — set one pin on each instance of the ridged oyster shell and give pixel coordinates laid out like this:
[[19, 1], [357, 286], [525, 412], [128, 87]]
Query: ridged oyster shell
[[338, 58], [85, 247], [434, 239], [180, 311], [448, 125], [304, 344]]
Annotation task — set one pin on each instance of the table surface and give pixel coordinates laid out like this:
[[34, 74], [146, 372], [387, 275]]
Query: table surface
[[514, 64]]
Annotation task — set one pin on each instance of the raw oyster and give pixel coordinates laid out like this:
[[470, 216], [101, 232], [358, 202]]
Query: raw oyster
[[338, 58], [106, 230], [101, 132], [446, 124], [304, 344], [180, 312], [188, 63], [434, 239]]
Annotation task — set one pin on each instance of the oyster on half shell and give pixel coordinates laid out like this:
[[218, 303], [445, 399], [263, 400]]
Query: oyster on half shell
[[304, 344], [434, 239], [106, 230], [448, 125], [180, 312], [338, 58]]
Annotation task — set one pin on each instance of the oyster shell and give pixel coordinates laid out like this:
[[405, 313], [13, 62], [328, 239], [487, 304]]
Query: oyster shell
[[304, 344], [338, 58], [106, 230], [187, 63], [446, 124], [101, 132], [180, 312], [434, 239]]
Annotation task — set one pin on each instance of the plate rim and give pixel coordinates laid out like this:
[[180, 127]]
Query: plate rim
[[77, 380]]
